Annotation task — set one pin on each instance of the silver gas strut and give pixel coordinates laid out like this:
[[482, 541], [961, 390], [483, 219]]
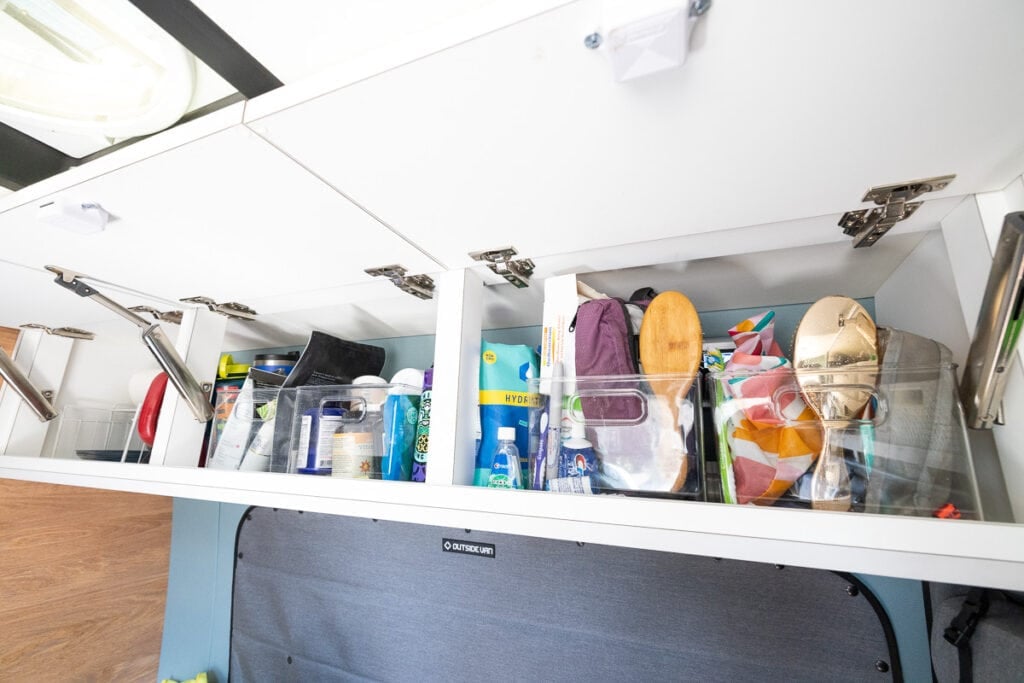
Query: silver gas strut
[[153, 335]]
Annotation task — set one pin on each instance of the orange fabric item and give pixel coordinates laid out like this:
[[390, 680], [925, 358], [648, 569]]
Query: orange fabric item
[[793, 448]]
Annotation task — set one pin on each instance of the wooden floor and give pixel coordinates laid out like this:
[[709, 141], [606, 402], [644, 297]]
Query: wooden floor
[[83, 583]]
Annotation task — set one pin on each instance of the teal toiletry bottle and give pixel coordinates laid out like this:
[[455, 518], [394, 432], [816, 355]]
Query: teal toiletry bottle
[[400, 413], [506, 472]]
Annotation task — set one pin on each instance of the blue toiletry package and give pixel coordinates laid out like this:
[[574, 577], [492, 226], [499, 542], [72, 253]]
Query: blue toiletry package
[[505, 401]]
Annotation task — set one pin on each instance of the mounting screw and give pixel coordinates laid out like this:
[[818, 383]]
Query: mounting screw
[[780, 566], [881, 666], [852, 591], [699, 7], [593, 41]]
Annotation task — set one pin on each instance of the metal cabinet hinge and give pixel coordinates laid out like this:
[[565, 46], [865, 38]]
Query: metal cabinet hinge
[[230, 309], [173, 317], [71, 332], [866, 226], [420, 286], [500, 261]]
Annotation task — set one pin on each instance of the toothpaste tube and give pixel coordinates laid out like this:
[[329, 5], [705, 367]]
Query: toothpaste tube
[[577, 457]]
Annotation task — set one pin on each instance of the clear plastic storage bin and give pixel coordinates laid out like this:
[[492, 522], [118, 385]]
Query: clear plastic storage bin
[[645, 431], [906, 453], [242, 435], [353, 431]]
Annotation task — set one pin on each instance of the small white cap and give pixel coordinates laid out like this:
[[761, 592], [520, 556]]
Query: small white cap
[[506, 433], [407, 381], [578, 431]]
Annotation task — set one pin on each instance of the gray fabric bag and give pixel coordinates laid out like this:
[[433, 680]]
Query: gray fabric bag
[[994, 638]]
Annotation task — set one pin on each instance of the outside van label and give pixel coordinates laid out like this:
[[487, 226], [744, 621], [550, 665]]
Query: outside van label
[[450, 545]]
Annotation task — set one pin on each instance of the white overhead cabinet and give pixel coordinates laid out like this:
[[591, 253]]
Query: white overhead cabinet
[[490, 126], [781, 112]]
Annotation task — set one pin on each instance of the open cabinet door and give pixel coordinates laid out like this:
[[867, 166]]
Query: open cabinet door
[[8, 338]]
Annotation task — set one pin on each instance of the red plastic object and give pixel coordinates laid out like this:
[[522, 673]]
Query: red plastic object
[[948, 511], [151, 408]]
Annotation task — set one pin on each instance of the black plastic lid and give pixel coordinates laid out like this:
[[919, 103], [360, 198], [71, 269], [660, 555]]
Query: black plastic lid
[[291, 355]]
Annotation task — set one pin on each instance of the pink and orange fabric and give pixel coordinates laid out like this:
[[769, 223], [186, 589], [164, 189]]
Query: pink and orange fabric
[[774, 437]]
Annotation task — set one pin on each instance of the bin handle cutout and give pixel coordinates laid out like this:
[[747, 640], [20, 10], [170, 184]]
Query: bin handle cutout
[[576, 407], [354, 413], [787, 393]]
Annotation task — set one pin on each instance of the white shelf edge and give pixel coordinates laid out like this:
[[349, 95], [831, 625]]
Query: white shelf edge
[[984, 554]]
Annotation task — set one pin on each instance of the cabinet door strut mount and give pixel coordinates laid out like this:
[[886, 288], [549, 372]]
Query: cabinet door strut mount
[[173, 317], [867, 226], [420, 286], [500, 261], [230, 309], [70, 332], [153, 336]]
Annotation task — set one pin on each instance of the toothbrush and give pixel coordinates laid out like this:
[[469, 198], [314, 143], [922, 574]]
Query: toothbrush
[[551, 439]]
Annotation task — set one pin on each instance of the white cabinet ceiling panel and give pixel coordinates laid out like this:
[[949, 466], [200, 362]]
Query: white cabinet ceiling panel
[[301, 37], [29, 295], [806, 261], [782, 111], [794, 275], [227, 216]]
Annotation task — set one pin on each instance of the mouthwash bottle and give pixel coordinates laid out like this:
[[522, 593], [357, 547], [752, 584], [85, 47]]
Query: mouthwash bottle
[[506, 472]]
